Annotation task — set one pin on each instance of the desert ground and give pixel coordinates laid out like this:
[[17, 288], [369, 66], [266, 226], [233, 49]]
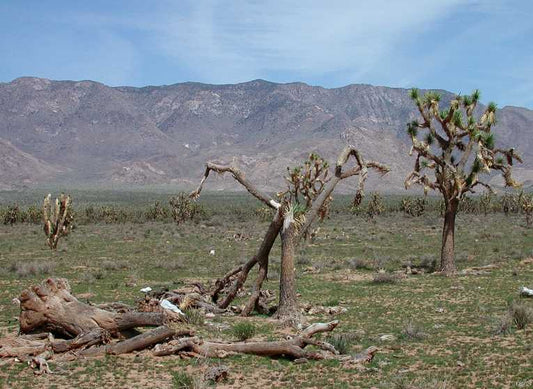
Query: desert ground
[[471, 330]]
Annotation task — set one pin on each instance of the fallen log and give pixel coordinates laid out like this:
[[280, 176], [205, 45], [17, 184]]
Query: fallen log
[[292, 348], [19, 347], [50, 307], [139, 342], [174, 346], [91, 338]]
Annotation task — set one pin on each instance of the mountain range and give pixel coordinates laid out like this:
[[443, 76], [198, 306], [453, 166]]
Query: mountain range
[[87, 133]]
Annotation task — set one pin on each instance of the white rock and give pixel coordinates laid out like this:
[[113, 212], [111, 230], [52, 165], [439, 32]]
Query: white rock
[[526, 292], [146, 289], [387, 337], [171, 307]]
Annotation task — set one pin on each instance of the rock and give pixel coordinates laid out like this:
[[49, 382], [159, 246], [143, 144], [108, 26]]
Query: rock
[[300, 361], [171, 307], [86, 296], [526, 292], [387, 338], [366, 356], [216, 373]]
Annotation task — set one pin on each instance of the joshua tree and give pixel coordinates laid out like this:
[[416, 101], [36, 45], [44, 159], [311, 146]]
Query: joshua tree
[[458, 148], [306, 199], [57, 220]]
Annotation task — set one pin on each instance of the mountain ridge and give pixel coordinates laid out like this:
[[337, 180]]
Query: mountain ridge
[[92, 133]]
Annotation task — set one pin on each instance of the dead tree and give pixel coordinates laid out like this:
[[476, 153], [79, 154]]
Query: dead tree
[[457, 147], [306, 199], [50, 311]]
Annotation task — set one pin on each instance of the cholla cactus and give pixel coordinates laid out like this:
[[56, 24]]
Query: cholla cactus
[[57, 219], [509, 204], [526, 204], [183, 208], [453, 152], [413, 207], [485, 202], [12, 214], [375, 206]]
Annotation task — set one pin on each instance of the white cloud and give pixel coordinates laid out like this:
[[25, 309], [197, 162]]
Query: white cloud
[[454, 44], [240, 40]]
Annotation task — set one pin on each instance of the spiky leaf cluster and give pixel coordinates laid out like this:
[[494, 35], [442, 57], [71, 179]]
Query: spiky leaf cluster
[[306, 182], [455, 145]]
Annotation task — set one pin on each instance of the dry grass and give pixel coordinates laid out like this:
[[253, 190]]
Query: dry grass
[[385, 278], [32, 269]]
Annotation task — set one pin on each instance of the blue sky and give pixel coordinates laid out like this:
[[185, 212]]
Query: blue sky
[[456, 45]]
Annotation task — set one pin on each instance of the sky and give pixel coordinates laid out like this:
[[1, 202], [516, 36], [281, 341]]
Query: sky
[[457, 45]]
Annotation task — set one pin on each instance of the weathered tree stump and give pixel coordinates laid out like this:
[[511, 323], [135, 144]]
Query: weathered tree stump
[[50, 307]]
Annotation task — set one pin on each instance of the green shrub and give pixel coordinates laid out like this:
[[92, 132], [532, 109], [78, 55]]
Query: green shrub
[[195, 316], [521, 314], [243, 330], [34, 215], [182, 380], [343, 342]]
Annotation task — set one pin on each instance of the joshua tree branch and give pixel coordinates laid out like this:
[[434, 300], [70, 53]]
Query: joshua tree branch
[[240, 177]]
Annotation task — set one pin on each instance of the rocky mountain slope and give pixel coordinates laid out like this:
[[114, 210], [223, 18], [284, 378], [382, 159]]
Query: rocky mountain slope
[[86, 132]]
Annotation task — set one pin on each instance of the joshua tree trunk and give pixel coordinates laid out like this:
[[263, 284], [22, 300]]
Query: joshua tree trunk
[[288, 305], [262, 258], [447, 260]]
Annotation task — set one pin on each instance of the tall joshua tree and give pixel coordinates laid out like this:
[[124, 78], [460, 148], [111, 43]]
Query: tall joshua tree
[[306, 199], [452, 152]]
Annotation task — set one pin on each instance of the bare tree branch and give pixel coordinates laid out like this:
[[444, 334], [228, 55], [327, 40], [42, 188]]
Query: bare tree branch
[[240, 177]]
